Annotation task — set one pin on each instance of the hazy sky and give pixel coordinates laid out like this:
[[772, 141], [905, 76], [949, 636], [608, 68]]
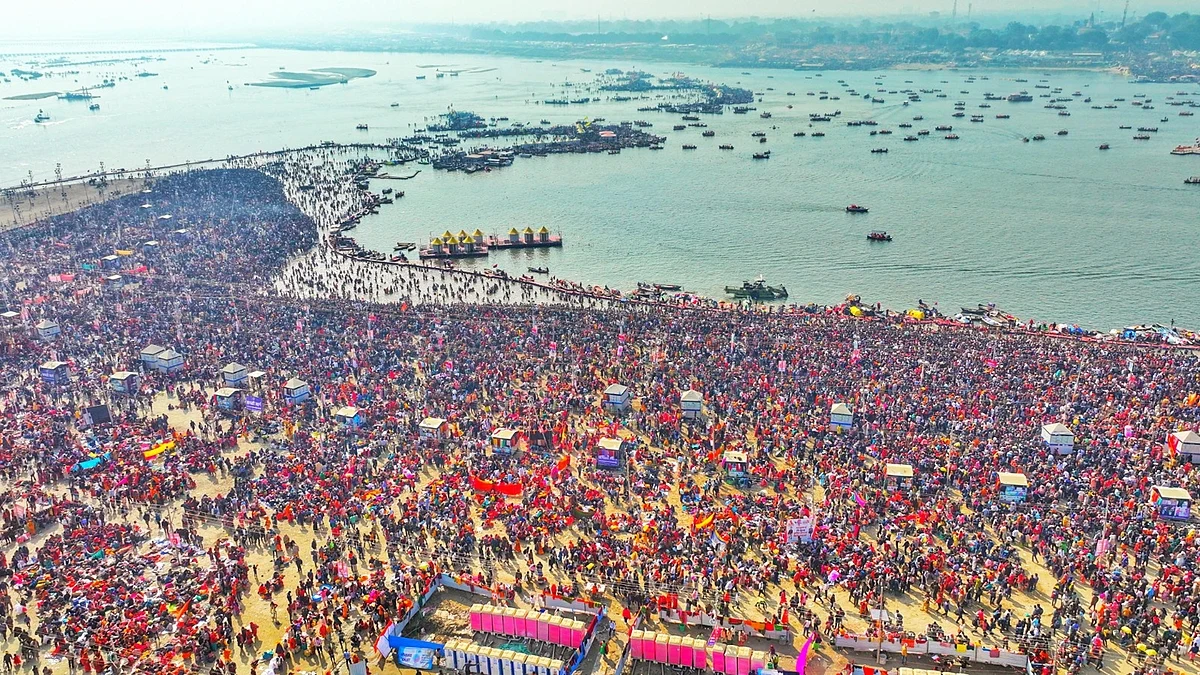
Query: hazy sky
[[175, 19]]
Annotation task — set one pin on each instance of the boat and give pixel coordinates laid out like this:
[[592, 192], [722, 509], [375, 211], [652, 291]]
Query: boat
[[763, 155], [1193, 149], [540, 270], [855, 208], [679, 127], [725, 147], [420, 77], [1104, 146], [1194, 180], [41, 117], [757, 290], [361, 127], [879, 151], [799, 134], [1062, 132], [687, 146], [404, 246], [669, 287], [952, 137], [910, 138], [943, 127], [818, 134], [1125, 126], [879, 236], [1039, 137], [765, 115], [94, 106], [1141, 137], [709, 134]]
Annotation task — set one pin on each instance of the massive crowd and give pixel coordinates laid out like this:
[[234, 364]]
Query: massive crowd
[[132, 543]]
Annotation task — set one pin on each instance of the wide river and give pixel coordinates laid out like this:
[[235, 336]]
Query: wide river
[[1056, 230]]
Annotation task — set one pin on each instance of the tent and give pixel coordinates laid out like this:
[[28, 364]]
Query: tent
[[840, 416], [691, 402], [1185, 444], [1058, 438], [616, 398]]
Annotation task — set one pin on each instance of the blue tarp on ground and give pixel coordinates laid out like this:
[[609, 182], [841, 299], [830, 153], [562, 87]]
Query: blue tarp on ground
[[398, 642]]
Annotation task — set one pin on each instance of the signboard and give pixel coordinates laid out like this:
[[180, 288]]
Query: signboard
[[799, 530], [254, 404], [415, 657]]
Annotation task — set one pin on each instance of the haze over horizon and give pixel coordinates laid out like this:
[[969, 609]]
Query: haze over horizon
[[209, 19]]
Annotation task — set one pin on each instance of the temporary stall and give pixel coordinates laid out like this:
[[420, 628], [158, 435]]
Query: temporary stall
[[10, 318], [1171, 502], [505, 441], [1013, 487], [150, 246], [616, 398], [110, 262], [296, 391], [230, 399], [841, 416], [349, 416], [691, 404], [1058, 438], [234, 374], [55, 372], [113, 281], [610, 453], [434, 428], [1185, 444], [898, 477], [734, 463], [149, 355], [255, 380], [47, 329], [169, 361], [123, 382]]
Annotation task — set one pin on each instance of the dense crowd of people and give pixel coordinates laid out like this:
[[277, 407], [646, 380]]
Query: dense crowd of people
[[131, 542]]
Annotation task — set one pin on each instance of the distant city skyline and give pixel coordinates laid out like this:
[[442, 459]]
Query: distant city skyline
[[181, 19]]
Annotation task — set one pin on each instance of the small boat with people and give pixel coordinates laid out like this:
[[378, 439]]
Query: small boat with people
[[879, 151], [757, 290], [1104, 146], [41, 117], [855, 208], [725, 147], [94, 107], [540, 270], [361, 127], [1194, 180], [879, 236], [709, 133]]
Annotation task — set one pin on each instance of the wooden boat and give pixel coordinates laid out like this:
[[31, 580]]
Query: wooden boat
[[540, 270]]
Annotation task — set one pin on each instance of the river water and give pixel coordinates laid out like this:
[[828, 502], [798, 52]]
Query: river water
[[1054, 230]]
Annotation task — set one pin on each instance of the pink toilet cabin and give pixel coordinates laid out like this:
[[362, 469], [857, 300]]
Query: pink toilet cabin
[[685, 652], [635, 644], [578, 628], [718, 658], [521, 623], [554, 634], [510, 621], [744, 657], [476, 617], [673, 650], [487, 619], [688, 653], [660, 647], [731, 660], [758, 661], [543, 627]]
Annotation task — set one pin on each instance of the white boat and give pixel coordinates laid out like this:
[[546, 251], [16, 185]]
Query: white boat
[[41, 117]]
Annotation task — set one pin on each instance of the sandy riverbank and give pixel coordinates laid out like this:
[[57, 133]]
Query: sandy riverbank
[[24, 208]]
